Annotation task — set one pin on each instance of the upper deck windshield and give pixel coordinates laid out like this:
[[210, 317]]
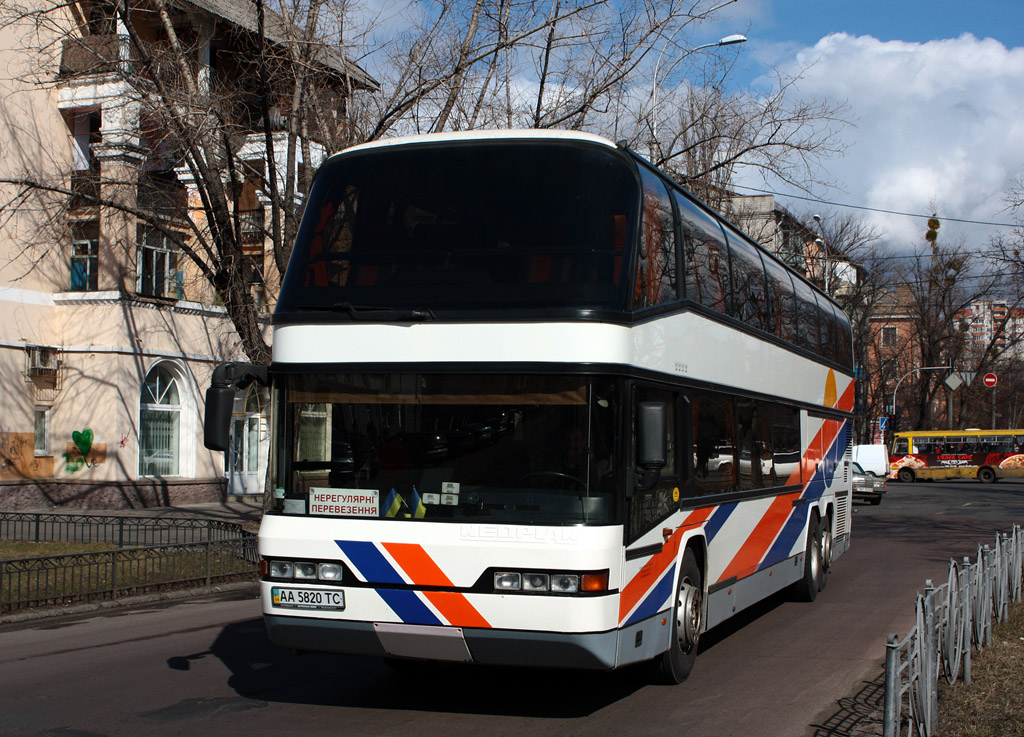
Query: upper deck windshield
[[452, 448], [479, 225]]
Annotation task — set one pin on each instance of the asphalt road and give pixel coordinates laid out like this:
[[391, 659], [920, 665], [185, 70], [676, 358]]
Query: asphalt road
[[204, 666]]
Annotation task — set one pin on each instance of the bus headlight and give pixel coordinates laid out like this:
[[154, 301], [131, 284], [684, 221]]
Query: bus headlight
[[281, 569], [557, 582], [329, 571], [536, 582], [507, 581], [565, 583], [303, 570]]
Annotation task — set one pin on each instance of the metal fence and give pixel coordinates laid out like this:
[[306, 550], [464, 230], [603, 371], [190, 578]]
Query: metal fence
[[951, 618], [152, 554], [122, 531]]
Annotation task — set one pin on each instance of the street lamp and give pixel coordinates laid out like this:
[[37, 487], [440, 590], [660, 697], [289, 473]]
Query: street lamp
[[914, 371], [735, 38], [824, 250]]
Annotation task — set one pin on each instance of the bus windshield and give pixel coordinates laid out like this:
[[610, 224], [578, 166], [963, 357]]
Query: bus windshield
[[481, 225], [449, 448]]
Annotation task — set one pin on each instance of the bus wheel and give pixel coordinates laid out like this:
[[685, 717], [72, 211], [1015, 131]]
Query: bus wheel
[[986, 475], [826, 552], [813, 581], [906, 476], [675, 664]]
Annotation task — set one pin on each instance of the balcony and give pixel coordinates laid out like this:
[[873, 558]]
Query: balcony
[[162, 194], [251, 231], [91, 54]]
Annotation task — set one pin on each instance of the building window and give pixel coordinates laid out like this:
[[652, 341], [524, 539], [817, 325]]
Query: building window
[[85, 257], [42, 431], [159, 424], [159, 275], [889, 336]]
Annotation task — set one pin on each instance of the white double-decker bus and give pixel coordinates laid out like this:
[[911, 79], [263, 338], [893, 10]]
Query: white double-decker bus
[[533, 404]]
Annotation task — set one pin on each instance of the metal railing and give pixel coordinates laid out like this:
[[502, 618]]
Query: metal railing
[[153, 554], [950, 619], [122, 531]]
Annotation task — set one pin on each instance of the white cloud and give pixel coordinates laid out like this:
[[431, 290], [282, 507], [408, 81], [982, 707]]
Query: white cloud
[[938, 125]]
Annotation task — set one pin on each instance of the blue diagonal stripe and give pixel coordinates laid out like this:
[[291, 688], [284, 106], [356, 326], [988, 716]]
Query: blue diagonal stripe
[[797, 521], [653, 602], [408, 606], [717, 519], [369, 561]]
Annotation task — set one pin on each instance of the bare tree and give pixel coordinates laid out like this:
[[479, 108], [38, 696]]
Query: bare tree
[[193, 147], [940, 282], [708, 134], [204, 149]]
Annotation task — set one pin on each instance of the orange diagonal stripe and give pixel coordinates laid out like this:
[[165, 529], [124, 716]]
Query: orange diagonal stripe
[[417, 565], [761, 538], [456, 609]]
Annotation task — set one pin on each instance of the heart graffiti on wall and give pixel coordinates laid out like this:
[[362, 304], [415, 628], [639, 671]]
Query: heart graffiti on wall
[[82, 452]]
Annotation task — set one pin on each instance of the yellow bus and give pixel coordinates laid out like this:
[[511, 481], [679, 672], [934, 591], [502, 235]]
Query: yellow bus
[[987, 455]]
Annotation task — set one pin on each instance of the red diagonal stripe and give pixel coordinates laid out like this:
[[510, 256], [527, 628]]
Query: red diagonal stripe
[[423, 571], [647, 576]]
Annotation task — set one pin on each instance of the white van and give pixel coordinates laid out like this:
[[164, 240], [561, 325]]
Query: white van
[[873, 458]]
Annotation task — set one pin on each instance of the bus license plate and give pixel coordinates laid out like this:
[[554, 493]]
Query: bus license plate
[[330, 599]]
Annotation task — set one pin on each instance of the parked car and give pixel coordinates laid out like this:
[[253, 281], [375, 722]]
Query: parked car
[[866, 485]]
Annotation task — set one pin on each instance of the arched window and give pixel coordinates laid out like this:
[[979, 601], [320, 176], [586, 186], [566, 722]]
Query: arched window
[[159, 424]]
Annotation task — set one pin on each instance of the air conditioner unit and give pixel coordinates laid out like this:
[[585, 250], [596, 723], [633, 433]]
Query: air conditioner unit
[[43, 360]]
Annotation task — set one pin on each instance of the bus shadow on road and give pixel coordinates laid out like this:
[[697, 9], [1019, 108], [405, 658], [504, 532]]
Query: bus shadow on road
[[264, 672]]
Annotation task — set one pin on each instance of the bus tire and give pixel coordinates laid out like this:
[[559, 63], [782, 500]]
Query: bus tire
[[986, 475], [814, 578], [676, 663], [906, 476]]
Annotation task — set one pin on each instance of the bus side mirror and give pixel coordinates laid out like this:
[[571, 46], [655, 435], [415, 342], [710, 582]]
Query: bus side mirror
[[220, 400], [652, 443]]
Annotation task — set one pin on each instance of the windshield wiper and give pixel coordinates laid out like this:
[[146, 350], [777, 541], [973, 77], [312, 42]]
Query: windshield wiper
[[374, 312]]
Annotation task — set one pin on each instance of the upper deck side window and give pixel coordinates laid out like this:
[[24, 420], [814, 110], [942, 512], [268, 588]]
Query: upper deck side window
[[657, 273], [749, 302], [478, 225], [781, 301], [706, 256]]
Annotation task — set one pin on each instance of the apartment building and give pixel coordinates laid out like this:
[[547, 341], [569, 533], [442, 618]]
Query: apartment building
[[108, 330], [994, 324]]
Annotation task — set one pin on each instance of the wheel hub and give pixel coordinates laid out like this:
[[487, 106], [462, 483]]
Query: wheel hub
[[688, 615]]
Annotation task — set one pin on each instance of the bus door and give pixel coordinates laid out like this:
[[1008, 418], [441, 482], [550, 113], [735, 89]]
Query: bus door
[[653, 501]]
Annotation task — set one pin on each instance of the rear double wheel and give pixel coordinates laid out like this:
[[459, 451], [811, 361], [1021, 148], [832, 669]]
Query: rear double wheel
[[817, 559], [674, 665]]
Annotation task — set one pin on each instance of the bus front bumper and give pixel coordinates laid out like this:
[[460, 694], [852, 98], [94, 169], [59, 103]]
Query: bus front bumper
[[592, 650]]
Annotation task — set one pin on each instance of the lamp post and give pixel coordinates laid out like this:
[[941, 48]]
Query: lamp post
[[914, 371], [736, 38], [824, 250]]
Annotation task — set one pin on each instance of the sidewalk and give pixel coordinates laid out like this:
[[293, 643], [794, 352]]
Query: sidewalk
[[244, 510]]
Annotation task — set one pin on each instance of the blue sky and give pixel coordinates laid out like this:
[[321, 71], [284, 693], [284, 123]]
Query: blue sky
[[806, 22], [935, 89]]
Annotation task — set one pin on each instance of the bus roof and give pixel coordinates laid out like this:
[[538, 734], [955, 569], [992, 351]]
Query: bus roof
[[482, 135]]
